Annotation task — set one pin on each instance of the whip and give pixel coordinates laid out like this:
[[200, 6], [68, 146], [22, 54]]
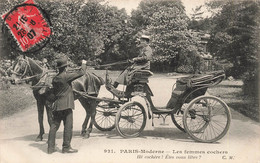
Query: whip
[[111, 64]]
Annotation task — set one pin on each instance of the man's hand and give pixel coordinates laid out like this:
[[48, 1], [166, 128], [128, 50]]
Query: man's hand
[[84, 65], [130, 61], [84, 61], [140, 59], [135, 59]]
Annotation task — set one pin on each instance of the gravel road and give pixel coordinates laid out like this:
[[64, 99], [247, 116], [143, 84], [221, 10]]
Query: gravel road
[[158, 143]]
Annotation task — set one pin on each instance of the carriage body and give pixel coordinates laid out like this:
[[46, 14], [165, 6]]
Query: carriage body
[[187, 94], [188, 103]]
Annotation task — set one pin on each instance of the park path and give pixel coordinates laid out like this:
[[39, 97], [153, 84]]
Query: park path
[[162, 143]]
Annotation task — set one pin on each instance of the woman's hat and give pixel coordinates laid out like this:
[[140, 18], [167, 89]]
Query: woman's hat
[[44, 60], [62, 62]]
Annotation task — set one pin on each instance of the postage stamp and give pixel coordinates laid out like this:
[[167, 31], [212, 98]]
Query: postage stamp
[[28, 25]]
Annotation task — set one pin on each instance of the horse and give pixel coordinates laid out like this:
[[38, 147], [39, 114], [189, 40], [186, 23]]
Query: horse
[[26, 66]]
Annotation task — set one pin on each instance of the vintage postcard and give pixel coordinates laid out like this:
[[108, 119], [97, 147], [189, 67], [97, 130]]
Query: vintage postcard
[[112, 81]]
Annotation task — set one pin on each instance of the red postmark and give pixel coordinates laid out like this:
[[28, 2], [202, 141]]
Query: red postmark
[[27, 25]]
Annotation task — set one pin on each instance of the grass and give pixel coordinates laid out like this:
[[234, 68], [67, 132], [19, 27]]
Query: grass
[[231, 93], [15, 99]]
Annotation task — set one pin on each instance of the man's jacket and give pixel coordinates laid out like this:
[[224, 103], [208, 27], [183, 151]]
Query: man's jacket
[[63, 89]]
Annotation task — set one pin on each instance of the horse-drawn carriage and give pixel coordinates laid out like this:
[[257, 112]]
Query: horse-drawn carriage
[[204, 118]]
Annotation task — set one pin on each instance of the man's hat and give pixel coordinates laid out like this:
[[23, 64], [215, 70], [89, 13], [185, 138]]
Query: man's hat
[[145, 37], [62, 62]]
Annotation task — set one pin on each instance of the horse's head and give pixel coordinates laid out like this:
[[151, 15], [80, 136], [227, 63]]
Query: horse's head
[[24, 67], [19, 70]]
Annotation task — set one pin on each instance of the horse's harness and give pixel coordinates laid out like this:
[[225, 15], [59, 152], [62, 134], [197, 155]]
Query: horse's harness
[[27, 67]]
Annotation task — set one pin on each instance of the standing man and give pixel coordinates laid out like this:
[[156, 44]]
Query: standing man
[[141, 62], [62, 109]]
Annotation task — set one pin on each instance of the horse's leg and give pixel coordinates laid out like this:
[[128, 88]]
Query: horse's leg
[[48, 106], [40, 108], [91, 111], [92, 108], [85, 104]]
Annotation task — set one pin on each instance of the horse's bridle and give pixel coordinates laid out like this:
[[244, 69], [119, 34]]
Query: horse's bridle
[[27, 67]]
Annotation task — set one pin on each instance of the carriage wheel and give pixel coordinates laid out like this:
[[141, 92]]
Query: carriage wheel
[[178, 116], [105, 117], [130, 120], [207, 119]]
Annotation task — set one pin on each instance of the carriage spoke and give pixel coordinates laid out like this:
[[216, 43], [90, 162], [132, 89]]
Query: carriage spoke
[[105, 117], [210, 120], [130, 120]]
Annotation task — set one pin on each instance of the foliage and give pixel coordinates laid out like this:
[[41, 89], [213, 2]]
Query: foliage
[[205, 24], [85, 30], [6, 51], [106, 27], [167, 24], [251, 83], [95, 31], [235, 38], [215, 6], [197, 13], [166, 21]]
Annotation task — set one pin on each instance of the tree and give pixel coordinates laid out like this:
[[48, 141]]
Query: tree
[[167, 23], [198, 22], [6, 51], [235, 38], [215, 6], [82, 30], [109, 26], [197, 13]]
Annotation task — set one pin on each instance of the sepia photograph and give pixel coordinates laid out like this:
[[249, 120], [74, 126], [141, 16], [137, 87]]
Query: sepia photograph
[[133, 81]]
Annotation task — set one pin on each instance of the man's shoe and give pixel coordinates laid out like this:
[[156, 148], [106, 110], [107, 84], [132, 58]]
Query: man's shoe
[[70, 150], [39, 138], [50, 151]]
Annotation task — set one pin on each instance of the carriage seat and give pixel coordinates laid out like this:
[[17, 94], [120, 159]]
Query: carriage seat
[[140, 76], [186, 86], [198, 79]]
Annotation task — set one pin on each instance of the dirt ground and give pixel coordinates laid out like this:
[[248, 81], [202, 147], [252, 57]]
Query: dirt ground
[[161, 143]]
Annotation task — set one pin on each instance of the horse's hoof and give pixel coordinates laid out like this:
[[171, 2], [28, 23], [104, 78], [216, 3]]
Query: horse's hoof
[[39, 138], [83, 133], [86, 136]]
